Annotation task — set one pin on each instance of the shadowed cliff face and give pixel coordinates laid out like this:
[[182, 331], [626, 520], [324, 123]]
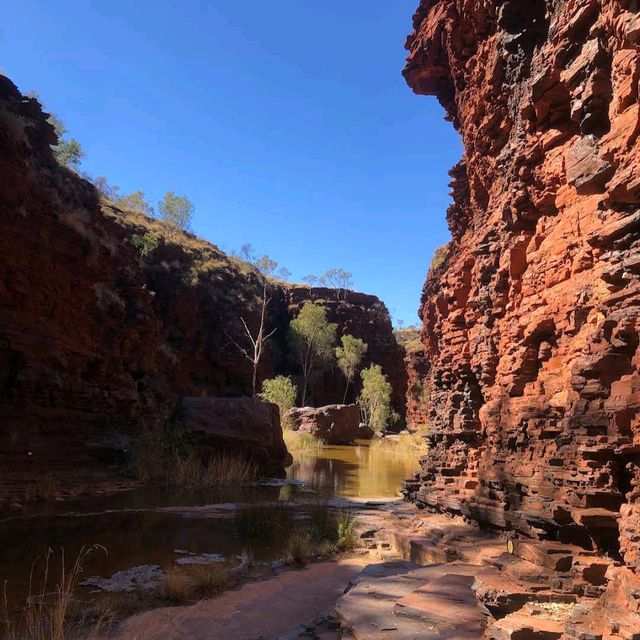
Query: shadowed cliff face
[[531, 325], [97, 340]]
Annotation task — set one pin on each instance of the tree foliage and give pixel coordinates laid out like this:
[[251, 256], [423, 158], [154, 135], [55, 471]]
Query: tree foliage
[[311, 338], [176, 211], [136, 202], [108, 190], [68, 152], [337, 279], [282, 391], [349, 357], [375, 399]]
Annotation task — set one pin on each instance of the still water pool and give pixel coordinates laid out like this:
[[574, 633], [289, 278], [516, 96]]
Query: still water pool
[[158, 526]]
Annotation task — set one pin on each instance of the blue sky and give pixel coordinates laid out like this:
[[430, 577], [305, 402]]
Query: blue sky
[[287, 123]]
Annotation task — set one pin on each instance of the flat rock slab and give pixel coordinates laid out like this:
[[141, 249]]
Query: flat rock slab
[[397, 601], [258, 610], [447, 602]]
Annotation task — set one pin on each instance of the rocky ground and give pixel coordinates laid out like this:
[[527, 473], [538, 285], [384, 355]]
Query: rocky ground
[[419, 576]]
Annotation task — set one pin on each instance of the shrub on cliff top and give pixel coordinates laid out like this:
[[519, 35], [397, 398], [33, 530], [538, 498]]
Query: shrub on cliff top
[[176, 211], [439, 257]]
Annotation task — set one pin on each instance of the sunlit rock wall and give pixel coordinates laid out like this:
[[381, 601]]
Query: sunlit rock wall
[[532, 322]]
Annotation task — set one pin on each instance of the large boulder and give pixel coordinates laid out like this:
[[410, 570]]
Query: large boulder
[[333, 423], [246, 426]]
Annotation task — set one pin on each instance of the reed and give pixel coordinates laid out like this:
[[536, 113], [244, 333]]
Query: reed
[[194, 472], [51, 613]]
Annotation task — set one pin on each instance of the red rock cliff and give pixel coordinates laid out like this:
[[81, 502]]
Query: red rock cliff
[[531, 325], [100, 335]]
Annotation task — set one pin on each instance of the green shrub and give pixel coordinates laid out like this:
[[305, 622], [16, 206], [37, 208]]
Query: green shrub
[[145, 243], [439, 256], [281, 391]]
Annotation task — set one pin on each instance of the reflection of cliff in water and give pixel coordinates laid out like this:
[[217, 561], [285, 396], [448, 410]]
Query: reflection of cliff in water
[[353, 471]]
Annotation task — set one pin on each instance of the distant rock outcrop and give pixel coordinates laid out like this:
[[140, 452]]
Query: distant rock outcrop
[[333, 424]]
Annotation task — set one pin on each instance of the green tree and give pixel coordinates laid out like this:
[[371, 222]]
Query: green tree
[[136, 202], [311, 338], [176, 211], [375, 399], [282, 391], [349, 357], [68, 153]]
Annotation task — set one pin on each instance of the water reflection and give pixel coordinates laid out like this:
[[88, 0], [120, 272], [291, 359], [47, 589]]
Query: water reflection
[[134, 532], [353, 471]]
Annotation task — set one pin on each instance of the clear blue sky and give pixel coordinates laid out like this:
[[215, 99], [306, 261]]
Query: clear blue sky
[[287, 123]]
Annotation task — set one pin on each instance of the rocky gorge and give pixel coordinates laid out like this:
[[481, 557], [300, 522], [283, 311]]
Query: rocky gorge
[[523, 520]]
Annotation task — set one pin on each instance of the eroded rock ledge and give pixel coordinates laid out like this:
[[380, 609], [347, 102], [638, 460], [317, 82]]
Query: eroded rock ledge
[[531, 324]]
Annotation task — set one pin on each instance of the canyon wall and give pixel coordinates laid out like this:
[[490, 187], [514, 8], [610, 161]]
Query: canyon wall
[[106, 321], [530, 326]]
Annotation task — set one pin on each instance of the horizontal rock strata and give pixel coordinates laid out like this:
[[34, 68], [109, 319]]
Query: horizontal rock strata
[[531, 324]]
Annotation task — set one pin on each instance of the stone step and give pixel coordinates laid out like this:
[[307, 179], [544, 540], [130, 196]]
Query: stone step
[[517, 626], [447, 603], [393, 601]]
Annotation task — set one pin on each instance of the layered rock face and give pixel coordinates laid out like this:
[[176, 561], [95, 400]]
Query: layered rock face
[[531, 324], [105, 323]]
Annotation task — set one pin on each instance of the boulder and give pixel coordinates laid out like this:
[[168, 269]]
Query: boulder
[[333, 423], [246, 426]]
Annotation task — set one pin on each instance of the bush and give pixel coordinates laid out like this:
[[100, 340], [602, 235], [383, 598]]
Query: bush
[[375, 399], [195, 472], [281, 391], [176, 211], [346, 525], [299, 547], [265, 521], [145, 243], [439, 257], [298, 442]]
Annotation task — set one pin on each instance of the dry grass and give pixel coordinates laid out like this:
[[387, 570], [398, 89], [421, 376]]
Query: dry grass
[[407, 447], [177, 586], [195, 472], [301, 442], [299, 547], [210, 580], [51, 613], [186, 584]]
